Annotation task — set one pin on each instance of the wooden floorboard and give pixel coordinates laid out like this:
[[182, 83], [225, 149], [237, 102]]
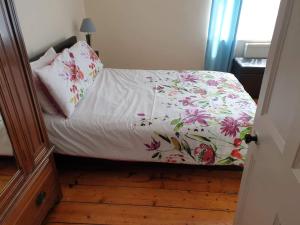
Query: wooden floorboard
[[136, 215], [150, 197], [175, 179], [145, 194], [69, 224]]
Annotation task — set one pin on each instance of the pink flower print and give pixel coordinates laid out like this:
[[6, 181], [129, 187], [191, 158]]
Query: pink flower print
[[200, 91], [171, 159], [212, 83], [93, 55], [205, 153], [221, 90], [159, 88], [235, 153], [232, 96], [208, 156], [141, 114], [92, 66], [189, 78], [172, 93], [75, 73], [73, 89], [234, 87], [186, 101], [222, 79], [237, 142], [230, 126], [174, 158], [154, 145], [52, 61], [197, 151], [196, 115], [71, 55], [244, 119]]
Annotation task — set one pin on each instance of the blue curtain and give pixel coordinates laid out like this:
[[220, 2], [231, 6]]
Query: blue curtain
[[223, 24]]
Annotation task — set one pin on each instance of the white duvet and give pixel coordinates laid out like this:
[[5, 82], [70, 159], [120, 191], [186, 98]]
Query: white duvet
[[192, 117]]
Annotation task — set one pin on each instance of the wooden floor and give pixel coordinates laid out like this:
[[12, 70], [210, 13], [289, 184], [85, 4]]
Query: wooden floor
[[97, 192]]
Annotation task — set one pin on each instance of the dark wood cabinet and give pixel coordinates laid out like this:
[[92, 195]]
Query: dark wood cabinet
[[18, 102], [249, 71]]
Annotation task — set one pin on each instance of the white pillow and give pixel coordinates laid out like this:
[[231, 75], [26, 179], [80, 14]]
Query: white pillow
[[44, 100], [65, 81], [86, 59]]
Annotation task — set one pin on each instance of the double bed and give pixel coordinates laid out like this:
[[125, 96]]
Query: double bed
[[188, 117]]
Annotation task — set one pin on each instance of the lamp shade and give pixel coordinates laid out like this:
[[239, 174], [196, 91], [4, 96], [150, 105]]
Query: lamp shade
[[87, 26]]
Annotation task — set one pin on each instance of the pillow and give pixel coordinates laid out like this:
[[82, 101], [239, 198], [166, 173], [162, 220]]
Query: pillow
[[65, 81], [86, 59], [43, 97], [47, 58]]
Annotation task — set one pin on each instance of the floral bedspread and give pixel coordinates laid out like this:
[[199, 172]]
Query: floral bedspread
[[190, 117], [205, 117]]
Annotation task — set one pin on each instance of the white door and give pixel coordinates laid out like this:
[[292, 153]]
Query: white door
[[270, 189]]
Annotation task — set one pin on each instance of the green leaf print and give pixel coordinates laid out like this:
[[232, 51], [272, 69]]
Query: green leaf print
[[200, 138], [176, 121], [176, 82], [244, 132], [176, 144], [187, 148], [166, 138], [205, 105], [178, 126], [227, 161], [155, 155]]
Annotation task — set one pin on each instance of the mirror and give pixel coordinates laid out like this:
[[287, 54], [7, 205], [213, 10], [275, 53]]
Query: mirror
[[8, 164]]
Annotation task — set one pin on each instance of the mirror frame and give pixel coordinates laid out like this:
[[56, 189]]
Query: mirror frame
[[10, 118], [19, 107]]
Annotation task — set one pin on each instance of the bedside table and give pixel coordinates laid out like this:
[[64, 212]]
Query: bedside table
[[250, 72]]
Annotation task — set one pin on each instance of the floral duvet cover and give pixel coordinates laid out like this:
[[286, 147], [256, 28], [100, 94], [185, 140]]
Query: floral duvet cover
[[208, 113], [189, 117]]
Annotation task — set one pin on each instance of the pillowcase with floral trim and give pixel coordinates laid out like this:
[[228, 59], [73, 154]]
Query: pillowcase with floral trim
[[86, 58], [65, 81]]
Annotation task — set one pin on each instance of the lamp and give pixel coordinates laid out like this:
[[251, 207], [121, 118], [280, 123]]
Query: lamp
[[87, 27]]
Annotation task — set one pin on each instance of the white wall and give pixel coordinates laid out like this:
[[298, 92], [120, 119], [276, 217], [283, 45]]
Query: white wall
[[146, 34], [150, 34], [45, 22]]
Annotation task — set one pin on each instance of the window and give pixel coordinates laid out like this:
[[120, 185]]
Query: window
[[257, 20]]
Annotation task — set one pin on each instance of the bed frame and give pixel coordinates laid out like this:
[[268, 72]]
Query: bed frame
[[65, 160], [58, 47]]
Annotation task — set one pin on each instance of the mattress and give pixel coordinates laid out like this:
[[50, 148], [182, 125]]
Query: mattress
[[189, 117], [5, 144]]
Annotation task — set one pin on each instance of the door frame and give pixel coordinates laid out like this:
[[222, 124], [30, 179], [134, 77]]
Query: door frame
[[275, 53]]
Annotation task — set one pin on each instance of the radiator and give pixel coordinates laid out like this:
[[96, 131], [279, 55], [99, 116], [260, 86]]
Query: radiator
[[256, 50]]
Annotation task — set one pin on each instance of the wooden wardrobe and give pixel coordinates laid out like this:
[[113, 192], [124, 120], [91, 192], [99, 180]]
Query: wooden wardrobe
[[34, 188]]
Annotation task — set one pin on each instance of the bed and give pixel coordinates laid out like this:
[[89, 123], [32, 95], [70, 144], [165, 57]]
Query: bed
[[187, 117], [5, 144]]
